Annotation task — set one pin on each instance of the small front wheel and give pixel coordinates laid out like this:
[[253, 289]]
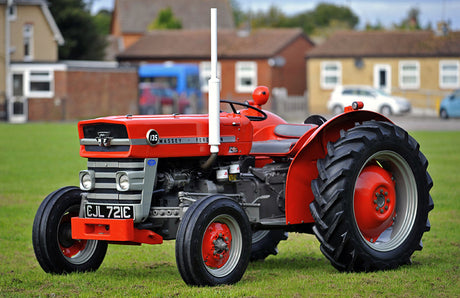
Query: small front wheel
[[54, 247], [213, 243]]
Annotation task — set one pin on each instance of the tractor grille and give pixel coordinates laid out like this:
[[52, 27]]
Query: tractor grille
[[105, 190], [105, 137]]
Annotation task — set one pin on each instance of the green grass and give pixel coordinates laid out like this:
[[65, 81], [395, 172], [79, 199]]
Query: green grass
[[36, 159]]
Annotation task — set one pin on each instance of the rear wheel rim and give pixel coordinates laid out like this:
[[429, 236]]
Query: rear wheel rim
[[403, 201], [222, 251]]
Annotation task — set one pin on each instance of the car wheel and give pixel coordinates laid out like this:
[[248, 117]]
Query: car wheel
[[386, 111], [337, 110], [443, 114]]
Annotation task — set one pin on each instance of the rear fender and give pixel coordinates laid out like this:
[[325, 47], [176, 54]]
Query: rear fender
[[303, 167]]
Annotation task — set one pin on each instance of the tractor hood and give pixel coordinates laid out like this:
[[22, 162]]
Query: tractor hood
[[161, 136]]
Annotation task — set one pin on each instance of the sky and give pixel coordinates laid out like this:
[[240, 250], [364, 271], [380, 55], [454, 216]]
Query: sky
[[368, 11]]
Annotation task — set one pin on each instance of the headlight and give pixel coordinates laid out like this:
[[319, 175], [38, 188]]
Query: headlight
[[123, 182], [86, 180]]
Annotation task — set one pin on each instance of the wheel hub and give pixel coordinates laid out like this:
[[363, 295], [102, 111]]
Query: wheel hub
[[374, 201], [69, 247], [216, 245]]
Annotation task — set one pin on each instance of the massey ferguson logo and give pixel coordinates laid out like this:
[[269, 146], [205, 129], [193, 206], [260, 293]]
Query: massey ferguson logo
[[103, 138]]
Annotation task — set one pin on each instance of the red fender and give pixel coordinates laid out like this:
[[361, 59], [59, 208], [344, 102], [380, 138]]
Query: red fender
[[303, 167]]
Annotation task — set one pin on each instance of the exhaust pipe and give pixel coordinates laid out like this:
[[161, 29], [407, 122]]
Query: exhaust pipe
[[214, 90]]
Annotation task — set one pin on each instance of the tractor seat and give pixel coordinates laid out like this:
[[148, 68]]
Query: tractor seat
[[290, 131]]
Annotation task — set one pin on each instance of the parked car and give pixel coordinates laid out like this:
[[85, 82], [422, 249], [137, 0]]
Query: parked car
[[156, 98], [450, 105], [374, 99]]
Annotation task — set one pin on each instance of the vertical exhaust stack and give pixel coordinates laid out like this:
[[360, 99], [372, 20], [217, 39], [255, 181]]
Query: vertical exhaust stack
[[214, 91]]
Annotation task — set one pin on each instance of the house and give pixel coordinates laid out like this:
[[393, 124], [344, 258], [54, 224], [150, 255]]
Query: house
[[33, 43], [42, 88], [412, 64], [130, 19], [271, 57]]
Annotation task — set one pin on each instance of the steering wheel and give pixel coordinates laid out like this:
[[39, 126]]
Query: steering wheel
[[252, 118]]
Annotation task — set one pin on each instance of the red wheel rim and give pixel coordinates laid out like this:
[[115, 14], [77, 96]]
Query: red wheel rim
[[374, 201], [69, 247], [216, 245]]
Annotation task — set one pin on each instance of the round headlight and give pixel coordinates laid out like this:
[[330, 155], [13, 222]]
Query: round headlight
[[123, 182], [86, 181]]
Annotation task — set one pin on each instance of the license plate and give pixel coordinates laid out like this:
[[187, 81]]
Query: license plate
[[109, 211]]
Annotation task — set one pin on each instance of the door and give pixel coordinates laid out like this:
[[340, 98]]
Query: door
[[382, 77], [17, 105]]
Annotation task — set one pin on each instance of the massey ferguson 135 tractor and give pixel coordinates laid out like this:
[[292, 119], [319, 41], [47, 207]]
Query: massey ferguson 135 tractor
[[228, 186]]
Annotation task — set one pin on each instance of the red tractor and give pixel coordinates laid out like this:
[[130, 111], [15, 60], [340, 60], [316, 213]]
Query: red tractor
[[228, 186], [357, 181]]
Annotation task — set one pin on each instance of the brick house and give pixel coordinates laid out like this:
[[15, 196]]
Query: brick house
[[410, 64], [43, 88], [271, 57], [33, 43], [130, 19]]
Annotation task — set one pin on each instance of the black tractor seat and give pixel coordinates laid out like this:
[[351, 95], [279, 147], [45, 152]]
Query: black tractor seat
[[292, 133], [292, 130]]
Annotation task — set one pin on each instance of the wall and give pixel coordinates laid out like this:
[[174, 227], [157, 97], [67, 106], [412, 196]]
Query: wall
[[83, 93]]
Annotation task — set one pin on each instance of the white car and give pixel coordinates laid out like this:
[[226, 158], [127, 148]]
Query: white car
[[374, 100]]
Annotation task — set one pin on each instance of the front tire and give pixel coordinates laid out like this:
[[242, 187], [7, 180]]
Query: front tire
[[443, 114], [54, 247], [213, 243], [371, 198]]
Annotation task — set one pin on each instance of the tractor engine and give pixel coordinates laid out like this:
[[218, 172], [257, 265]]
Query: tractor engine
[[259, 190]]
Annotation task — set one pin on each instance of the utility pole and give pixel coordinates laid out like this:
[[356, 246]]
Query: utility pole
[[8, 93]]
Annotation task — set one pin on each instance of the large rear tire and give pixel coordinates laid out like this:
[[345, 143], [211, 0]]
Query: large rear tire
[[371, 198], [54, 247], [213, 243]]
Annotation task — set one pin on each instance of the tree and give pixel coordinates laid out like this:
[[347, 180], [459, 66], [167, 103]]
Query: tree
[[323, 20], [82, 39], [102, 21], [411, 22], [165, 20]]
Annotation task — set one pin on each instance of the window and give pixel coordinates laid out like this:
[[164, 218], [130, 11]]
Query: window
[[205, 74], [28, 37], [245, 76], [409, 74], [12, 12], [40, 83], [449, 74], [331, 74]]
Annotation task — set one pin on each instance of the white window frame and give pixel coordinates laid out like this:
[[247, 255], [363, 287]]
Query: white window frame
[[28, 40], [329, 73], [451, 73], [37, 73], [245, 69], [409, 73], [205, 74]]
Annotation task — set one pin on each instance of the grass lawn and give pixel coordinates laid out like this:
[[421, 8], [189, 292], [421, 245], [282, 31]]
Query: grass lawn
[[36, 159]]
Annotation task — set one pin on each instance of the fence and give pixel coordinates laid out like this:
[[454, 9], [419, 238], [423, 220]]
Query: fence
[[425, 102], [291, 108]]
